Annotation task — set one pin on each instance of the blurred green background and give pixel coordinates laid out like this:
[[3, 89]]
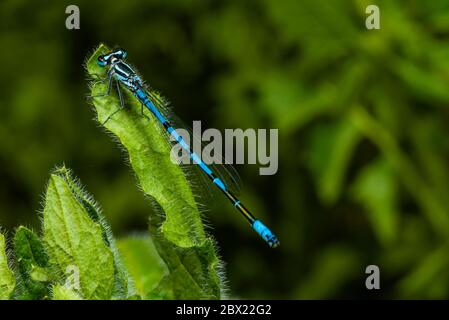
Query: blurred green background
[[362, 116]]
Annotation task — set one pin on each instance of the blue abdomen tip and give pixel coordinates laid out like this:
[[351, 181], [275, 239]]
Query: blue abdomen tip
[[266, 234]]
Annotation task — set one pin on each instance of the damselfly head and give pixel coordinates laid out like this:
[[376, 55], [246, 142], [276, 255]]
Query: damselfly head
[[106, 59]]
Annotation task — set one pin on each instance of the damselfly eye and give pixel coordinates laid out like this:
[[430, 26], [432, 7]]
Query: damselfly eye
[[120, 53], [101, 61]]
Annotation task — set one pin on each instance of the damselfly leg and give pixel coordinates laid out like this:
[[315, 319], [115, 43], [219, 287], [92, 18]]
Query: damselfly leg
[[108, 92], [110, 78], [122, 102]]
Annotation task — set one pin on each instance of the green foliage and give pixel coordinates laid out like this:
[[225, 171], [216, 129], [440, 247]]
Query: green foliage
[[177, 275], [77, 258], [362, 116]]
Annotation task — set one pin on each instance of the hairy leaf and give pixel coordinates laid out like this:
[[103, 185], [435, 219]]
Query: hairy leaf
[[75, 241], [180, 234], [143, 262], [33, 265], [123, 286], [7, 280]]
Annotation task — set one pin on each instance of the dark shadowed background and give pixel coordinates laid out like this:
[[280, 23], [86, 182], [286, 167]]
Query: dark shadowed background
[[362, 116]]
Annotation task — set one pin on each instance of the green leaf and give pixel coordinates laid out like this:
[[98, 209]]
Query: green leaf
[[64, 293], [75, 241], [429, 278], [331, 150], [325, 28], [290, 105], [139, 253], [181, 233], [375, 188], [422, 83], [194, 273], [123, 286], [332, 268], [33, 263], [7, 280]]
